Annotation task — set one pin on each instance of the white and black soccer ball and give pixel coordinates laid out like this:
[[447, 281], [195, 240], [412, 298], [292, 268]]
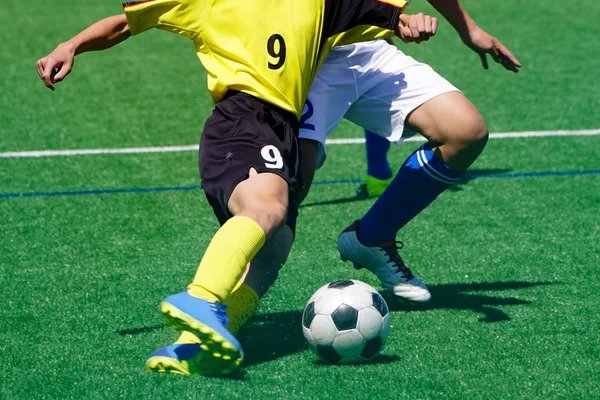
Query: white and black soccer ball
[[346, 321]]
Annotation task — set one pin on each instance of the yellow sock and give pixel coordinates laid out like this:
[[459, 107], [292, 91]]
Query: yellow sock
[[225, 259], [243, 302]]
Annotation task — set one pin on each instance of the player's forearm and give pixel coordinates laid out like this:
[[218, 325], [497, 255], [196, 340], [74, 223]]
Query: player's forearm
[[454, 13], [104, 34]]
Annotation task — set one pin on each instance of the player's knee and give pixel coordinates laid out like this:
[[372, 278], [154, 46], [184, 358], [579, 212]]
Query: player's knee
[[469, 134], [476, 133], [270, 214], [277, 212]]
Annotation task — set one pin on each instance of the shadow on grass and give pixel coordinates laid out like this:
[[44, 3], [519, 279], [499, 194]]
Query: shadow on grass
[[360, 196], [271, 336], [361, 192], [378, 359], [144, 329], [473, 174], [454, 296]]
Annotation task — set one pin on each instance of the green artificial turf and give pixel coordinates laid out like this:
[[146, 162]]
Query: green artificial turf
[[89, 245]]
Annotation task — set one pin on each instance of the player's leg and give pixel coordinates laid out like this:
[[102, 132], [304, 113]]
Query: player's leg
[[318, 114], [454, 127], [416, 91], [456, 135], [248, 154], [379, 172], [186, 356]]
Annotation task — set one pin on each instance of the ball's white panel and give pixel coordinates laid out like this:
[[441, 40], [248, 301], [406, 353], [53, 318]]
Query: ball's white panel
[[370, 322], [385, 332], [365, 285], [349, 344], [318, 293], [357, 296], [328, 301], [323, 330], [308, 336]]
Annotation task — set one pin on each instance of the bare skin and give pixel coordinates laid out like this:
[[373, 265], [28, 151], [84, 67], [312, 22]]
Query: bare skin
[[474, 37], [102, 35], [262, 197], [454, 126], [450, 121]]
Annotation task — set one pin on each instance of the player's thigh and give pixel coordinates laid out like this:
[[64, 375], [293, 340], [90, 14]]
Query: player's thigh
[[259, 191], [309, 156], [384, 107], [449, 117], [241, 136]]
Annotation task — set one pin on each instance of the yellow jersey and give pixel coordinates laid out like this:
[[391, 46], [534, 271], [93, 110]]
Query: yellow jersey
[[270, 49]]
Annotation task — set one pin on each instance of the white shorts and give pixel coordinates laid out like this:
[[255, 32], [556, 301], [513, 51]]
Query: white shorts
[[371, 84]]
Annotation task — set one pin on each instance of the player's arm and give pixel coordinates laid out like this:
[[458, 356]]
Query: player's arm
[[102, 35], [361, 20], [474, 37], [416, 28]]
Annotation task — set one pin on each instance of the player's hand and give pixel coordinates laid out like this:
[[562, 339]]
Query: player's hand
[[483, 43], [416, 28], [56, 66]]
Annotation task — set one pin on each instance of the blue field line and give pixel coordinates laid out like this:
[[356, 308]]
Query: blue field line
[[99, 191], [534, 174], [325, 182]]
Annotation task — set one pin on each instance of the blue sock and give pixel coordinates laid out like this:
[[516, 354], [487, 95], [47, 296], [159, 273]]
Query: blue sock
[[377, 149], [418, 182]]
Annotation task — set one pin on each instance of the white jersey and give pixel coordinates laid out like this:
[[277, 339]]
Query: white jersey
[[372, 84]]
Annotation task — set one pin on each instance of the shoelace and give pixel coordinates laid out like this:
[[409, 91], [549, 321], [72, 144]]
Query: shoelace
[[391, 251]]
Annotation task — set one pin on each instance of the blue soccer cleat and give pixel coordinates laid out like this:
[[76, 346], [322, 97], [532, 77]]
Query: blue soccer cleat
[[208, 321]]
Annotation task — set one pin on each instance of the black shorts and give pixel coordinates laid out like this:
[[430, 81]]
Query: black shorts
[[244, 132]]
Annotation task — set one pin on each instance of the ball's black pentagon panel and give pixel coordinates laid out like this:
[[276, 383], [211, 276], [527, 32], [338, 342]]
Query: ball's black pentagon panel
[[345, 317], [372, 347], [309, 314], [328, 353], [341, 284], [379, 304]]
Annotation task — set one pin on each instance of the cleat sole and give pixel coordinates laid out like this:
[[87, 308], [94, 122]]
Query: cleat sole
[[211, 341], [164, 365]]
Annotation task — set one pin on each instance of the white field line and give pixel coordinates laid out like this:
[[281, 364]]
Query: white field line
[[166, 149]]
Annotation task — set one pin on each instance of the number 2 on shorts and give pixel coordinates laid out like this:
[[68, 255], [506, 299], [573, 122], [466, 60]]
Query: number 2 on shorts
[[271, 154]]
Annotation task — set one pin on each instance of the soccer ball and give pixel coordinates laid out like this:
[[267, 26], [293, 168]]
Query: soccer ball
[[345, 322]]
